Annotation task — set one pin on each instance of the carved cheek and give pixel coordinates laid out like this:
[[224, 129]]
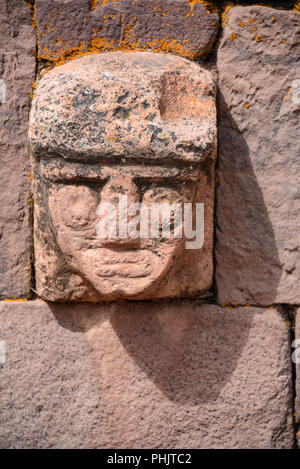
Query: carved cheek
[[73, 206]]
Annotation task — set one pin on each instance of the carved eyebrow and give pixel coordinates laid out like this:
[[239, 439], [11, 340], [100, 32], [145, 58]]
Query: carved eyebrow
[[58, 170], [139, 178], [112, 160], [77, 178], [167, 178]]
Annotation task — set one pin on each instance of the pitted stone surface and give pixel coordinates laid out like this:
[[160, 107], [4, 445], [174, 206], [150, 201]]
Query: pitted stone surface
[[17, 70], [49, 390], [144, 375], [64, 29], [137, 125], [258, 203], [137, 105]]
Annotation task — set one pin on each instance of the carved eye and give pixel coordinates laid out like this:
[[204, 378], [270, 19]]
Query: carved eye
[[73, 205], [157, 196], [161, 194]]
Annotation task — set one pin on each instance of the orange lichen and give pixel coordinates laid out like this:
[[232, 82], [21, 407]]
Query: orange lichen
[[93, 4], [241, 24], [209, 6], [297, 6], [250, 22], [232, 36], [102, 43], [29, 4], [33, 85], [225, 14], [15, 299], [257, 38]]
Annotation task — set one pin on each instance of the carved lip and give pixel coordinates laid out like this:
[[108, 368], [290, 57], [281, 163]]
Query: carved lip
[[127, 264]]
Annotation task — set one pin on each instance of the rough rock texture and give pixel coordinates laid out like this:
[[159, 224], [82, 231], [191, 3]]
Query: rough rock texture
[[17, 70], [135, 127], [49, 389], [64, 29], [296, 357], [144, 375], [258, 199]]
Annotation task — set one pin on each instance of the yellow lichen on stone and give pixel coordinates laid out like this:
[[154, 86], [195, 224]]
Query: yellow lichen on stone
[[225, 15], [232, 36], [33, 85], [93, 4], [98, 42], [15, 299], [209, 6]]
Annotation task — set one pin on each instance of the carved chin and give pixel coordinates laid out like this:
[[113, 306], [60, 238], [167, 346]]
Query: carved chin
[[118, 273]]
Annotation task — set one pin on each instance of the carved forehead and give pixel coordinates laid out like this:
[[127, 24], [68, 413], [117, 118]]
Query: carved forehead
[[125, 105]]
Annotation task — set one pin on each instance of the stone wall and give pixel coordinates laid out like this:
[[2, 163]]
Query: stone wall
[[213, 370]]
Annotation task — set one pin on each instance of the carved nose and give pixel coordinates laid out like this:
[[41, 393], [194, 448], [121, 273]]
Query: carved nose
[[117, 199]]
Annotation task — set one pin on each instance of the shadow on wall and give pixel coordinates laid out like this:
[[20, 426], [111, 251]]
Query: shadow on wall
[[248, 268], [188, 352]]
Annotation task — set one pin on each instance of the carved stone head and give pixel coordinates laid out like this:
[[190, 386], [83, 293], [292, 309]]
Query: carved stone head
[[113, 137]]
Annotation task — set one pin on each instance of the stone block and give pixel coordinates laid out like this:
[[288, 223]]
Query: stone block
[[144, 375], [17, 72], [258, 202], [70, 28]]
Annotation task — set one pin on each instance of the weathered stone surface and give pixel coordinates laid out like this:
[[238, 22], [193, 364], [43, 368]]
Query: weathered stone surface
[[122, 129], [68, 28], [258, 201], [296, 359], [17, 70], [49, 390], [144, 375]]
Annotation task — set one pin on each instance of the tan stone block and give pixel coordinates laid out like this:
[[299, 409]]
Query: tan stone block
[[17, 71], [258, 204], [144, 375]]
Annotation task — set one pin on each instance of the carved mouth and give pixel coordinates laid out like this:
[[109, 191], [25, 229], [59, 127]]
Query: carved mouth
[[126, 264]]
